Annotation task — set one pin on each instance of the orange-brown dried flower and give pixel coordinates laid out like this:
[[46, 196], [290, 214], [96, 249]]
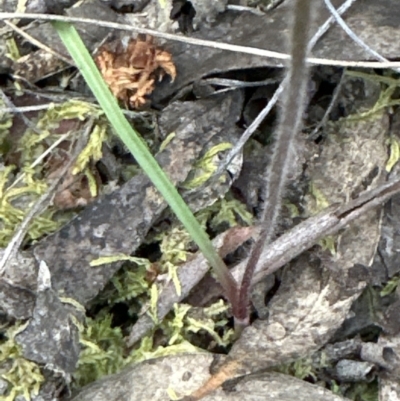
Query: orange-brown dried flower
[[131, 71]]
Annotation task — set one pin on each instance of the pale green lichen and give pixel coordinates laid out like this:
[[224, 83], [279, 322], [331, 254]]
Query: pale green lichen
[[24, 377]]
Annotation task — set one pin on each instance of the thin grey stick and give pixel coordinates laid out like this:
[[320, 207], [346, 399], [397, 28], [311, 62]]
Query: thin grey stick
[[234, 83], [280, 252], [46, 106], [329, 22], [10, 106], [201, 42], [293, 106], [252, 10], [324, 119], [352, 35], [37, 43], [189, 275], [264, 113], [309, 232]]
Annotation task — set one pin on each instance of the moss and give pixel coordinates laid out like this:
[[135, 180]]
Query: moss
[[306, 368], [173, 247], [24, 377], [147, 350], [292, 209], [328, 243], [386, 97], [214, 322], [320, 201], [174, 327], [227, 211], [205, 167], [93, 149], [118, 258], [394, 153], [363, 391], [167, 141], [390, 286], [300, 368], [17, 196], [102, 350], [130, 282], [153, 303], [6, 121], [12, 49], [103, 346], [14, 204]]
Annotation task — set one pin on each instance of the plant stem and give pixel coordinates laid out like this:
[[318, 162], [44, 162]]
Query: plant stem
[[145, 159], [290, 123]]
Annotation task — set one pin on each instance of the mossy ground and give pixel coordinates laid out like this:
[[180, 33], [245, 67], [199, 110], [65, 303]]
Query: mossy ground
[[102, 339]]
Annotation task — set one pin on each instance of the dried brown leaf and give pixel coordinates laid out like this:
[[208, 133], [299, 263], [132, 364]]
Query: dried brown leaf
[[130, 71]]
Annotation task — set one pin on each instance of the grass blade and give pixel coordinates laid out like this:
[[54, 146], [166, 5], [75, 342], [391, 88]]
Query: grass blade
[[145, 159]]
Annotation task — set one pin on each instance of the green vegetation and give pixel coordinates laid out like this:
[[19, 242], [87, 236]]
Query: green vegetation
[[24, 377]]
